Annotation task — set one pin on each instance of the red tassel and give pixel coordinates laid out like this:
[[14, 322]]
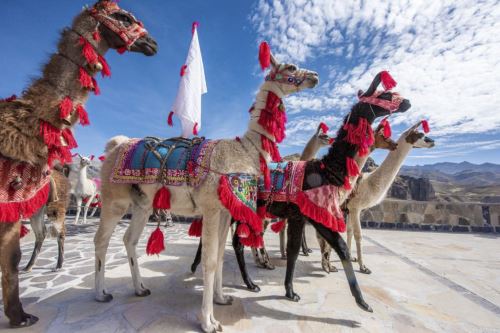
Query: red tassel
[[82, 115], [69, 138], [347, 183], [106, 70], [196, 228], [102, 158], [352, 167], [96, 36], [9, 99], [63, 154], [162, 199], [264, 55], [271, 148], [331, 141], [65, 107], [278, 226], [195, 129], [324, 127], [262, 211], [387, 128], [156, 242], [85, 79], [13, 211], [24, 231], [243, 230], [194, 27], [183, 70], [51, 135], [265, 171], [97, 91], [425, 126], [121, 50], [170, 120], [88, 51], [387, 81]]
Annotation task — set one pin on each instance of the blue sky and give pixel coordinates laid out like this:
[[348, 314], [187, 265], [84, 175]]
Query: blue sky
[[445, 57]]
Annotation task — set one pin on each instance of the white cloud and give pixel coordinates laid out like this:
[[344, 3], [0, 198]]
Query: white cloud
[[445, 56]]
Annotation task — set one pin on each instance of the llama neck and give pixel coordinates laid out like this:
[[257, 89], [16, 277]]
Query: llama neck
[[311, 149], [82, 175]]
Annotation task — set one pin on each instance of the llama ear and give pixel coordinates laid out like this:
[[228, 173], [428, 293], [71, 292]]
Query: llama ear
[[274, 62], [91, 157], [373, 86]]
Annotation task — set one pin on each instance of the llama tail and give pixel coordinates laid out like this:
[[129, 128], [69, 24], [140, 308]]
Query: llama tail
[[115, 142]]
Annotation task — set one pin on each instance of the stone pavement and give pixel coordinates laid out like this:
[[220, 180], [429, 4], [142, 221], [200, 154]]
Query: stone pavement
[[421, 282]]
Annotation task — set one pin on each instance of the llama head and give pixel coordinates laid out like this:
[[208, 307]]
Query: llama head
[[284, 77], [383, 142], [116, 27], [379, 103], [323, 139], [84, 161], [417, 138]]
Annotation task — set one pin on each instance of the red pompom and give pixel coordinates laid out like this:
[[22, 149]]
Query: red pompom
[[102, 158], [195, 129], [425, 126], [324, 127], [243, 230], [96, 36], [82, 114], [24, 231], [85, 79], [347, 183], [67, 135], [278, 226], [106, 70], [156, 242], [121, 50], [183, 70], [88, 51], [195, 228], [65, 107], [51, 135], [162, 199], [387, 81], [170, 120], [387, 128], [264, 55], [194, 26], [97, 91], [352, 167]]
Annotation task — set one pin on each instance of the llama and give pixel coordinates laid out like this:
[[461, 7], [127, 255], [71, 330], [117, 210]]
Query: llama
[[55, 209], [35, 130], [372, 188], [247, 155], [85, 189]]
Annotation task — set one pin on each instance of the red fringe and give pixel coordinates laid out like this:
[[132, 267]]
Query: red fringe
[[387, 81], [170, 121], [24, 231], [85, 79], [156, 242], [271, 148], [196, 228], [63, 154], [273, 117], [254, 240], [65, 107], [67, 135], [360, 135], [265, 171], [319, 214], [425, 126], [14, 211], [106, 70], [195, 129], [51, 135], [324, 127], [262, 212], [97, 91], [264, 55], [194, 26], [162, 199], [88, 51], [239, 211], [347, 183], [183, 70], [278, 226], [82, 115], [352, 167], [243, 230]]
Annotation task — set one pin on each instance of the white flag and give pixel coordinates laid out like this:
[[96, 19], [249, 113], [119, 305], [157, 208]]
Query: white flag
[[187, 105]]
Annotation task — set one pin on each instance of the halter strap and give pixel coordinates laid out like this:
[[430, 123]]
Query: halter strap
[[391, 105]]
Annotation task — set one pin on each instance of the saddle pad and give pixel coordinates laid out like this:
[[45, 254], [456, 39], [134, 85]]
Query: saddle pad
[[244, 187], [174, 161], [286, 181], [24, 189]]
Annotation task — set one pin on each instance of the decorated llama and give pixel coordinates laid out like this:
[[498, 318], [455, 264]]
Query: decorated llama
[[372, 188], [35, 130], [85, 188], [214, 169]]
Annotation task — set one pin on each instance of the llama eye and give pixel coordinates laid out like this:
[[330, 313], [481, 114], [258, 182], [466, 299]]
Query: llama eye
[[290, 79]]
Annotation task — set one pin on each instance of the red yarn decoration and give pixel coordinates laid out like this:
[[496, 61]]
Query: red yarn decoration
[[324, 127], [387, 128], [170, 120], [243, 230], [96, 36], [162, 199], [347, 183], [121, 50], [273, 117], [24, 231], [352, 167], [65, 107], [69, 138], [195, 129], [264, 55], [51, 135], [102, 158], [196, 228], [13, 211], [156, 242], [106, 70], [387, 81], [97, 91], [271, 148], [82, 115], [425, 126], [88, 51], [183, 70], [265, 171], [278, 226], [85, 79]]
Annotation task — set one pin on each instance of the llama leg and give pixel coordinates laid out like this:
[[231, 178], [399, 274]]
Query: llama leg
[[305, 249], [139, 219], [38, 228], [9, 260], [219, 297], [209, 253], [92, 213], [239, 250], [197, 258], [110, 216], [339, 245], [350, 232], [265, 258], [282, 243], [294, 234], [256, 257], [356, 224], [326, 251], [78, 208], [58, 230], [86, 208]]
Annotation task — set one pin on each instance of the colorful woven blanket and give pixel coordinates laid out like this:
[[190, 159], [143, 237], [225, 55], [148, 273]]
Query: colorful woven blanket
[[24, 189], [174, 161], [321, 204]]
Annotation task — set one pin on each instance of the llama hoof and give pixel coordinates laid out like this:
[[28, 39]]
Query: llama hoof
[[104, 298], [26, 269], [214, 326], [193, 268], [333, 269], [253, 287], [305, 253], [28, 320], [143, 293], [363, 305], [225, 300], [365, 270], [283, 257], [354, 259], [292, 296], [269, 266]]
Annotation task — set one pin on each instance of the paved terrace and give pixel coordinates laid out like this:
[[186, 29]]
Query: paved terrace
[[421, 282]]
